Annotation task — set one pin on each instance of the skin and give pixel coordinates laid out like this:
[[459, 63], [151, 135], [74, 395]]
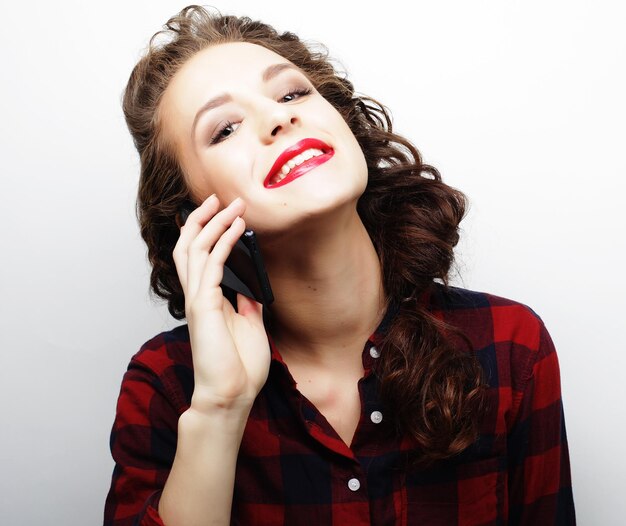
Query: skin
[[321, 263]]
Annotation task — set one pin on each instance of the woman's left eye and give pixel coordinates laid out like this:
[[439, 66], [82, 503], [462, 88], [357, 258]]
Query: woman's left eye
[[218, 137], [298, 91]]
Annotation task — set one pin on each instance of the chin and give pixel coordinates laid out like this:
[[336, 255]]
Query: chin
[[296, 216], [309, 198]]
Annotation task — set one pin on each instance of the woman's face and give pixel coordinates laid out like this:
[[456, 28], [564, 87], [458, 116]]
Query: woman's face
[[231, 148]]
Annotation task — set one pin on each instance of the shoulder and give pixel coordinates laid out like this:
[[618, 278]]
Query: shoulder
[[477, 312], [511, 342], [506, 334], [166, 349], [165, 362]]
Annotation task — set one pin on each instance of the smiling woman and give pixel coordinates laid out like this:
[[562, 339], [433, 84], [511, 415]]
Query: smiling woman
[[249, 102], [370, 391]]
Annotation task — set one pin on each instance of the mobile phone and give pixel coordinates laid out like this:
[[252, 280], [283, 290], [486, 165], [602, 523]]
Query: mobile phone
[[244, 271]]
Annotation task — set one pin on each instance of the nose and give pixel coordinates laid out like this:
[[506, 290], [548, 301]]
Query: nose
[[278, 118], [292, 121]]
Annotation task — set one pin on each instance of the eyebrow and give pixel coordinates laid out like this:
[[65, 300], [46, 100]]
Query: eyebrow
[[269, 73]]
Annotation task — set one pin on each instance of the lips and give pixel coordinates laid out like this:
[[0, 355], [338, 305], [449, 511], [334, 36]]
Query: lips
[[292, 152]]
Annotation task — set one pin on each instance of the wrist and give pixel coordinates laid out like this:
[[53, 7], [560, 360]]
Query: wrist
[[204, 415]]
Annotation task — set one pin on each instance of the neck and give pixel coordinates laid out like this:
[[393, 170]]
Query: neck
[[328, 291]]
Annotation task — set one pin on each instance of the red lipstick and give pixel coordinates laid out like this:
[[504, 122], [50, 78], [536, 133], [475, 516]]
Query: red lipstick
[[301, 169]]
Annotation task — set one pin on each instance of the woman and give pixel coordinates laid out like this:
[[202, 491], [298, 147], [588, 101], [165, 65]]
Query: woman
[[369, 391]]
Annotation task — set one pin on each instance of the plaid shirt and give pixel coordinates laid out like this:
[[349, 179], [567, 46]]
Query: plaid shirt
[[293, 468]]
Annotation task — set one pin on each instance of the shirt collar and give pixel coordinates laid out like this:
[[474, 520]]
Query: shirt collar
[[375, 338], [368, 357]]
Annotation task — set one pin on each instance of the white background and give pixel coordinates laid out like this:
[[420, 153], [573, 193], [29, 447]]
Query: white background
[[519, 104]]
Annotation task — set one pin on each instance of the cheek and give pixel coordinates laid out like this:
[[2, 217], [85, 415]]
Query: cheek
[[340, 126], [216, 175]]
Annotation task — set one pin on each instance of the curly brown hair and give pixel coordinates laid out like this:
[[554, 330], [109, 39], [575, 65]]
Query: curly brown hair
[[434, 388]]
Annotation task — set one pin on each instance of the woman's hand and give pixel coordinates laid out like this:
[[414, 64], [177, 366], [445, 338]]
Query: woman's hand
[[230, 349]]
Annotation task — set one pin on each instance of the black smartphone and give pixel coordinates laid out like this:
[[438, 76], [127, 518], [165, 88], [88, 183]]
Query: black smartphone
[[244, 271]]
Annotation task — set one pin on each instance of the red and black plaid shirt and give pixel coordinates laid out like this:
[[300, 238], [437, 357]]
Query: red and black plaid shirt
[[293, 469]]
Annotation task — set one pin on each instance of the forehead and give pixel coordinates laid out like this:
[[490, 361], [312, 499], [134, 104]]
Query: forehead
[[223, 67], [233, 56]]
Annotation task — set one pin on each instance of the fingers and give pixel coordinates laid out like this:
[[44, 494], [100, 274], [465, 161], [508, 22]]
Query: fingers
[[206, 240], [210, 269], [208, 251], [208, 235], [195, 222]]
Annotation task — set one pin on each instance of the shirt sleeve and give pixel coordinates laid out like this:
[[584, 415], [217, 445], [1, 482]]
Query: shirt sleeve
[[540, 489], [143, 445]]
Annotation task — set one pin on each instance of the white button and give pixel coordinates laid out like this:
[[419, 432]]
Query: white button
[[377, 417], [374, 352], [354, 484]]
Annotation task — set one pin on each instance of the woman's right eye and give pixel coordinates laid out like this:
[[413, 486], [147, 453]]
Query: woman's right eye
[[218, 135]]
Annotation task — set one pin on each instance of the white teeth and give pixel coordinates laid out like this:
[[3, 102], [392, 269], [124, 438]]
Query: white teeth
[[297, 160]]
